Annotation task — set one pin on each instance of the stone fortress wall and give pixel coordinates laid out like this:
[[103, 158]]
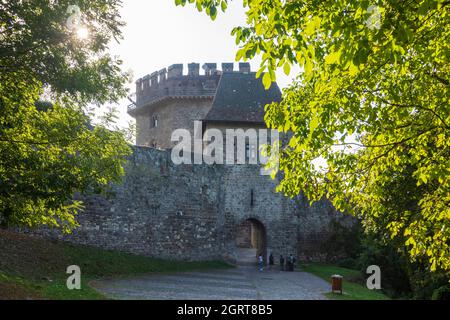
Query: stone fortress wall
[[194, 212]]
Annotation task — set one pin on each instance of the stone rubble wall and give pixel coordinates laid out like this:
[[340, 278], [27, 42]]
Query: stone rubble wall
[[193, 212]]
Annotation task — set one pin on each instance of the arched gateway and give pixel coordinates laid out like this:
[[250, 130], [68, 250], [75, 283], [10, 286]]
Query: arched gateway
[[251, 241]]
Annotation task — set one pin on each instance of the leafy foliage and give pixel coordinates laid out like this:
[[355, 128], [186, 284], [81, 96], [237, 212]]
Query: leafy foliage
[[36, 41], [211, 6], [343, 243], [372, 102], [49, 150], [443, 293], [394, 265], [400, 278]]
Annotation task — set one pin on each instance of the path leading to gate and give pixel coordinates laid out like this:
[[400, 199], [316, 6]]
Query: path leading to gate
[[241, 283]]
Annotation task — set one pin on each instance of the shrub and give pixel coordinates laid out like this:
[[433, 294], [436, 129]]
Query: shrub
[[394, 266], [442, 293], [343, 244], [349, 263], [401, 278], [424, 283]]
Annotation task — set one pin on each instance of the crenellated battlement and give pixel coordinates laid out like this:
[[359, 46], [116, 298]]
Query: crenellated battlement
[[172, 82]]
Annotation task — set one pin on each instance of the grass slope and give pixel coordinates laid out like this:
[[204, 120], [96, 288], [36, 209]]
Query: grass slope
[[34, 268], [354, 287]]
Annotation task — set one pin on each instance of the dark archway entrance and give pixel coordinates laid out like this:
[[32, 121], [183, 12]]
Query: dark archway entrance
[[251, 240]]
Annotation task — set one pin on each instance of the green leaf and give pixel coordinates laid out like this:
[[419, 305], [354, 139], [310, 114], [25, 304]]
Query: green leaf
[[224, 6], [213, 12], [333, 57], [266, 80], [287, 68]]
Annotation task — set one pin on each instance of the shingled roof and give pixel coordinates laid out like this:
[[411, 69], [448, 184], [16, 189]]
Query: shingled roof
[[241, 97]]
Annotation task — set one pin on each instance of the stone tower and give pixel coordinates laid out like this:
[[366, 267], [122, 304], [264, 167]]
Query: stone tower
[[167, 100]]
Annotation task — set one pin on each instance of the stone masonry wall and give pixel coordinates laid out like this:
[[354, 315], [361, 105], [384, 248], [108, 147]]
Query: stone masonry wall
[[316, 227], [160, 210], [172, 114], [274, 211], [194, 212]]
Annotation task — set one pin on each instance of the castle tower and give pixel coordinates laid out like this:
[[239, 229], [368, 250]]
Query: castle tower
[[228, 99], [167, 100]]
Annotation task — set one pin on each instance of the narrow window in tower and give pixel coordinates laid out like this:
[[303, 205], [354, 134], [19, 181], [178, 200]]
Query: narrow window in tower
[[247, 151], [154, 121], [252, 153]]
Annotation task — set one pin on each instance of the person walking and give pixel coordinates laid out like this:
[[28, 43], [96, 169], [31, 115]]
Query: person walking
[[271, 261], [260, 263], [291, 262], [281, 262]]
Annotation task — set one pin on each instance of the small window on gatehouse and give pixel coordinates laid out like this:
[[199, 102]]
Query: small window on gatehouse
[[154, 121]]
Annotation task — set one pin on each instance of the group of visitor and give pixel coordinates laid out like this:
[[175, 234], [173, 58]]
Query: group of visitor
[[285, 264]]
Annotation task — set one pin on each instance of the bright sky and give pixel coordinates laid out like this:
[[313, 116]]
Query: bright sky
[[159, 34]]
